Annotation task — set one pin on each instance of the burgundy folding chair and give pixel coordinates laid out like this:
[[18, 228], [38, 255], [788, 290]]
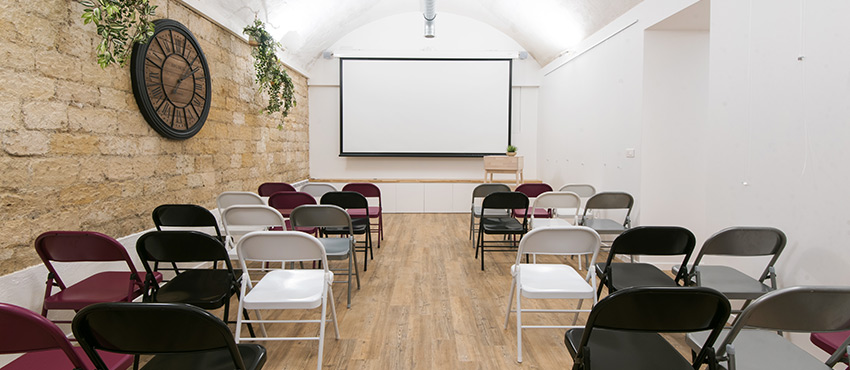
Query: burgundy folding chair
[[532, 191], [43, 345], [286, 201], [269, 188], [369, 190], [86, 246], [831, 342]]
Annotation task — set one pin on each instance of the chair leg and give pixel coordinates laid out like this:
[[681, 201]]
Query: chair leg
[[349, 280], [333, 310], [510, 302], [381, 224], [322, 326], [575, 319], [518, 327]]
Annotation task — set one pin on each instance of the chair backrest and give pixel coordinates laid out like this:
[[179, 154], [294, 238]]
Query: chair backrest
[[79, 246], [286, 201], [558, 200], [184, 215], [280, 246], [151, 328], [317, 189], [320, 215], [346, 200], [232, 198], [27, 331], [483, 190], [180, 246], [560, 240], [655, 241], [533, 189], [268, 188], [611, 200], [661, 310], [745, 241], [369, 190], [583, 190], [241, 219], [795, 309], [505, 200]]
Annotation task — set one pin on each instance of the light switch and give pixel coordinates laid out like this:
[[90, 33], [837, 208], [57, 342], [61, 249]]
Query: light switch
[[630, 152]]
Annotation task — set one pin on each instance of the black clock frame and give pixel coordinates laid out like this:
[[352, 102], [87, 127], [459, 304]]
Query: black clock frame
[[137, 74]]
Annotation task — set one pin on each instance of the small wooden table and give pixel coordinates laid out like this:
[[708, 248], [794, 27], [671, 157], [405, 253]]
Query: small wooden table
[[503, 164]]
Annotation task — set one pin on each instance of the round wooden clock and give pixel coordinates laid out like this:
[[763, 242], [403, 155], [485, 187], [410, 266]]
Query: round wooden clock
[[171, 81]]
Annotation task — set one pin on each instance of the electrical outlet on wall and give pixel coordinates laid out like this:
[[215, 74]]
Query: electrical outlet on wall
[[630, 152]]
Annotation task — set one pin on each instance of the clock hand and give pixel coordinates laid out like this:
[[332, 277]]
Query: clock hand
[[183, 77]]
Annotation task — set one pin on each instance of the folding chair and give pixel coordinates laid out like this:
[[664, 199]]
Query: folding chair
[[286, 289], [196, 285], [740, 242], [552, 281], [233, 198], [180, 336], [553, 203], [350, 201], [185, 217], [532, 190], [752, 342], [106, 286], [645, 240], [370, 191], [239, 220], [622, 330], [266, 189], [505, 226], [317, 189], [43, 345], [322, 216], [608, 201], [478, 194], [286, 201]]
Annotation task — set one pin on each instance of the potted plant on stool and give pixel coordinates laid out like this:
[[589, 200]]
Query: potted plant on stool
[[511, 151]]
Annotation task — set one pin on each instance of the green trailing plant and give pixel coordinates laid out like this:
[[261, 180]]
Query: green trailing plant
[[271, 76], [120, 24], [511, 149]]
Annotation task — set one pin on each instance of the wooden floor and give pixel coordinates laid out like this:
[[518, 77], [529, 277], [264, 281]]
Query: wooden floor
[[426, 304]]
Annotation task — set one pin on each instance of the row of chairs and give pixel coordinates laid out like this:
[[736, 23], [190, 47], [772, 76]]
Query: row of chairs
[[318, 189]]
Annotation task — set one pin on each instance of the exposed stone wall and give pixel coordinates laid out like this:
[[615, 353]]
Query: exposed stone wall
[[77, 154]]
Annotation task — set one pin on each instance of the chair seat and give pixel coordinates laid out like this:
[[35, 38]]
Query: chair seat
[[285, 289], [501, 225], [57, 359], [732, 283], [552, 281], [308, 230], [253, 356], [538, 213], [627, 275], [476, 211], [604, 225], [537, 223], [829, 342], [360, 212], [761, 349], [336, 247], [109, 286], [628, 350], [207, 289]]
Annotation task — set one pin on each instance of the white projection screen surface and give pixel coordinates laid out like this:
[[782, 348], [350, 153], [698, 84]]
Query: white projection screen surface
[[424, 107]]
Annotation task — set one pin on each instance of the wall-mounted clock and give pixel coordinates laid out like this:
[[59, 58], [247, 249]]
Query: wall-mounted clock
[[171, 81]]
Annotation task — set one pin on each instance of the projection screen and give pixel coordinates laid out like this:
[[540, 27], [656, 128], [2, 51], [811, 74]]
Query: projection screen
[[424, 107]]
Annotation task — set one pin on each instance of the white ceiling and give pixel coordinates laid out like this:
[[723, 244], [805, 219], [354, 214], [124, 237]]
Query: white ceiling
[[545, 28]]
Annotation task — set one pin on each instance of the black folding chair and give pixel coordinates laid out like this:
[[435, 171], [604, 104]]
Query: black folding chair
[[203, 287], [184, 216], [645, 240], [350, 200], [495, 224], [180, 336], [623, 329]]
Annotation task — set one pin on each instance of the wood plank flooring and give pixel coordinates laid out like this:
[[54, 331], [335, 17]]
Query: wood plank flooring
[[426, 304]]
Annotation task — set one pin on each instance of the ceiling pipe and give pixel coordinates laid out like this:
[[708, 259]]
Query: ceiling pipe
[[430, 14]]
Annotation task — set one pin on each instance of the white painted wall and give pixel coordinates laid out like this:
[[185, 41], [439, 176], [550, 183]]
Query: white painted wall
[[771, 150], [402, 36]]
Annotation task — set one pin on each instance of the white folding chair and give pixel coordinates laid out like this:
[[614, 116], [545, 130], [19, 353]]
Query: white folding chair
[[286, 289], [317, 189], [239, 220], [552, 281], [233, 198], [564, 206]]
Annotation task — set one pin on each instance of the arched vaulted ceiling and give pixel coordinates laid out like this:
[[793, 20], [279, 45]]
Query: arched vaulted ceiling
[[545, 28]]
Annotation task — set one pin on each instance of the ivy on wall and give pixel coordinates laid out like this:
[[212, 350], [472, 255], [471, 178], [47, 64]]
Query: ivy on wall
[[271, 76], [120, 24]]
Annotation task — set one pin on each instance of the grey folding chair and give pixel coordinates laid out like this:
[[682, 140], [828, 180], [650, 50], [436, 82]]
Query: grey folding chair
[[335, 248], [608, 201], [794, 309], [478, 195], [739, 242]]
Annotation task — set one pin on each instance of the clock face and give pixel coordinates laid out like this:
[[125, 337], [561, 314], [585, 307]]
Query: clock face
[[171, 81]]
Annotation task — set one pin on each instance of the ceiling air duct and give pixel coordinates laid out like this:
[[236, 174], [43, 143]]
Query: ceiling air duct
[[430, 14]]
